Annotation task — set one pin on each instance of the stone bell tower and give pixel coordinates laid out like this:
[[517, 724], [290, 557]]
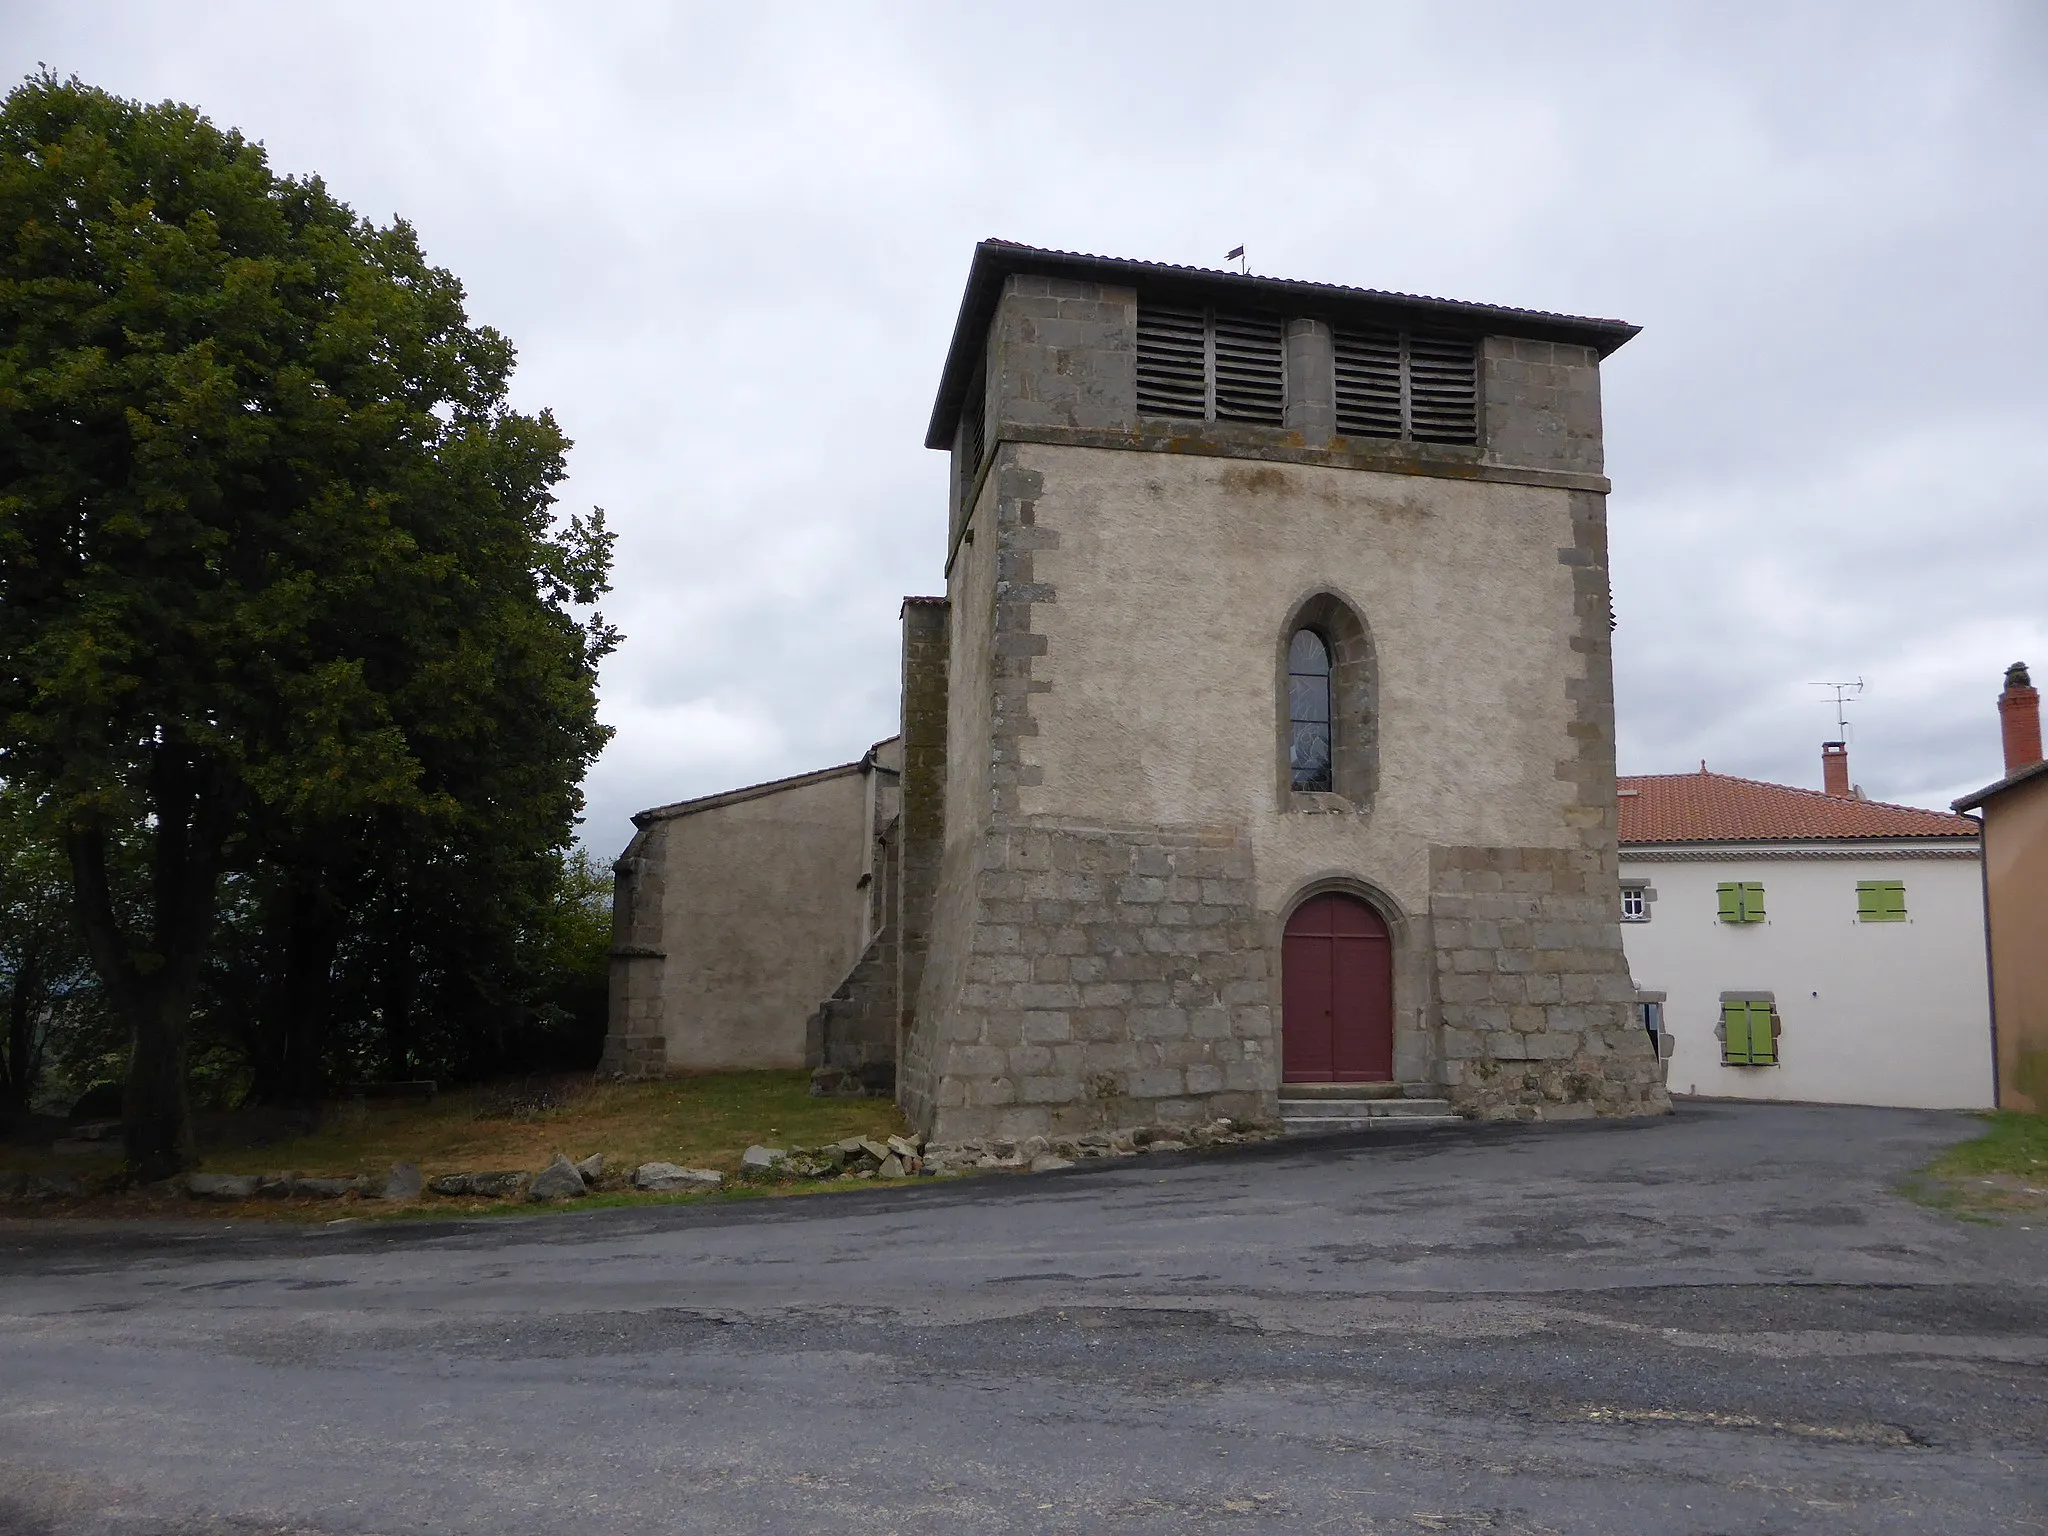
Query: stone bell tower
[[1263, 743]]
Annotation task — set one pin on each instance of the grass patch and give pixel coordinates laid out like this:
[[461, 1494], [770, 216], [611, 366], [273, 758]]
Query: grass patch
[[702, 1122], [2004, 1171]]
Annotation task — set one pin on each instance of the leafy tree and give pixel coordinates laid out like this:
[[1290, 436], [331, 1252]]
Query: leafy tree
[[283, 596], [45, 977]]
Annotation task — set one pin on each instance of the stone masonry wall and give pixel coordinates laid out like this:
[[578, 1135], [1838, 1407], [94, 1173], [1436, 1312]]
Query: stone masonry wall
[[920, 833], [1096, 978], [850, 1041], [1541, 404], [636, 1044], [1115, 978], [1535, 992]]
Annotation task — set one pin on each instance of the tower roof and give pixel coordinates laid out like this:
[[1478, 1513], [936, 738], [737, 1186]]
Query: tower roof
[[996, 260]]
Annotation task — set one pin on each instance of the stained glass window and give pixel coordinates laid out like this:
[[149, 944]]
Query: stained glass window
[[1308, 710]]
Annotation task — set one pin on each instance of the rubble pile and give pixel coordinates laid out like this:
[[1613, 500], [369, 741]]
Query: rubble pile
[[857, 1157]]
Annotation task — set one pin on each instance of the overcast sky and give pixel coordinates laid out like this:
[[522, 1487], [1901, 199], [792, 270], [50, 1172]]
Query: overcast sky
[[729, 241]]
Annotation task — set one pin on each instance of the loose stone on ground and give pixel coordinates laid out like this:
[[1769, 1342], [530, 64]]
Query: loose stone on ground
[[560, 1180], [667, 1178]]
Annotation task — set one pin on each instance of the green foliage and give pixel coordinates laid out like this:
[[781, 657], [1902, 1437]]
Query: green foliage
[[49, 1007], [284, 601]]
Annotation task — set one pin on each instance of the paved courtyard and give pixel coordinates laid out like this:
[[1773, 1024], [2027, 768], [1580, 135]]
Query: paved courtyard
[[1721, 1322]]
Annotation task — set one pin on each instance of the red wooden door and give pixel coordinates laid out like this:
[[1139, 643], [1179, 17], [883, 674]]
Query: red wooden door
[[1336, 994]]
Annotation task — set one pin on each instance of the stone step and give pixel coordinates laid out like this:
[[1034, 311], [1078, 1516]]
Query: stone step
[[1378, 1109], [1301, 1116], [1352, 1090], [1317, 1125]]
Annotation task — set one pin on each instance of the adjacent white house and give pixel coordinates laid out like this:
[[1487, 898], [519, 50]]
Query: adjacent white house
[[1809, 945]]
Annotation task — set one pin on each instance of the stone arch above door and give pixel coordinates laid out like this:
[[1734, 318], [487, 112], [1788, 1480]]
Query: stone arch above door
[[1337, 991]]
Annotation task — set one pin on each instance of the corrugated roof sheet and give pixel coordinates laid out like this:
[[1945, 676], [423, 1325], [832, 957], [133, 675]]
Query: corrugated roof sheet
[[1720, 808]]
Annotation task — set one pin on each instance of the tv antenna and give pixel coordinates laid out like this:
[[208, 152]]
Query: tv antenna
[[1845, 695]]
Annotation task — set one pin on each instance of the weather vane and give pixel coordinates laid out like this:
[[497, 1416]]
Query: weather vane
[[1843, 698]]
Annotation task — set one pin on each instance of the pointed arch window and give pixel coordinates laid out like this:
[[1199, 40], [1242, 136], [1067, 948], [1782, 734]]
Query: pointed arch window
[[1308, 712], [1326, 715]]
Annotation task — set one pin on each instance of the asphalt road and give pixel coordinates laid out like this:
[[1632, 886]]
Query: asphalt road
[[1721, 1322]]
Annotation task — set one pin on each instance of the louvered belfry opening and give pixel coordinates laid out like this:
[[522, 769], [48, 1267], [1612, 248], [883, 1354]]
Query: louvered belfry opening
[[1401, 384], [1371, 399], [973, 438], [1173, 362], [1205, 366], [1250, 369]]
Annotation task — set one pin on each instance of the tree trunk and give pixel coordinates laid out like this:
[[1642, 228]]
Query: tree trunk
[[312, 939], [18, 1072], [154, 981], [398, 983]]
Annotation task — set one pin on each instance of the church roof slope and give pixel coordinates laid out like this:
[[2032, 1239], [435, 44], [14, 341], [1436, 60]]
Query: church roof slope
[[996, 260], [1708, 807]]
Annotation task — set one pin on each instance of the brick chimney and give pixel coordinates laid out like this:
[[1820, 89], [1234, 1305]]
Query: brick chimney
[[1834, 770], [2019, 719]]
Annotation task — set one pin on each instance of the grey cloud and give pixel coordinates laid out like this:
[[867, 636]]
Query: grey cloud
[[729, 242]]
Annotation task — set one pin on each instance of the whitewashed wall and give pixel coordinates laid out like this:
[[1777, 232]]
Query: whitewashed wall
[[1872, 1013]]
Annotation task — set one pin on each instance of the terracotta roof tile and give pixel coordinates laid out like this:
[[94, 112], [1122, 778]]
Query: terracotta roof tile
[[1719, 808]]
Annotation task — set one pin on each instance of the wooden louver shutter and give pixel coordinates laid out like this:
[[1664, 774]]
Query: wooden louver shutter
[[973, 439], [1368, 383], [1443, 389], [1251, 370], [1173, 372]]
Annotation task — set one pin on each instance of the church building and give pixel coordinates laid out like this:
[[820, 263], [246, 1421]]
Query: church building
[[1258, 757]]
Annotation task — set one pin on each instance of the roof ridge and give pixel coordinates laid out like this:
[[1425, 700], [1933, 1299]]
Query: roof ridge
[[1306, 282], [677, 809], [1792, 789]]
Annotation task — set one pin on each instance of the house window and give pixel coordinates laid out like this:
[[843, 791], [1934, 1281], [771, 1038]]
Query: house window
[[1742, 901], [1635, 904], [1412, 385], [1749, 1030], [1880, 901], [1206, 366], [1308, 712]]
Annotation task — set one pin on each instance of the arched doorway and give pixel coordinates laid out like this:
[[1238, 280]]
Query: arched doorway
[[1336, 993]]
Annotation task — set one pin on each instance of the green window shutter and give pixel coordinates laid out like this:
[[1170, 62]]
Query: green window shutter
[[1881, 901], [1763, 1035], [1752, 902], [1735, 1034], [1895, 901], [1731, 901]]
